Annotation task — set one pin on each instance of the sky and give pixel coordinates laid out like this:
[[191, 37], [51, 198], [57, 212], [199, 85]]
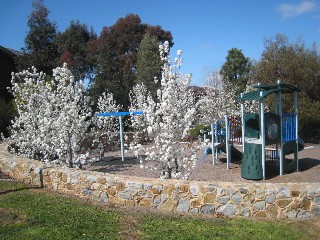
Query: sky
[[203, 29]]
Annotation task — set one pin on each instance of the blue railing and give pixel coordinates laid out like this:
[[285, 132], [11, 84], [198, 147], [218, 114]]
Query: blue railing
[[289, 127]]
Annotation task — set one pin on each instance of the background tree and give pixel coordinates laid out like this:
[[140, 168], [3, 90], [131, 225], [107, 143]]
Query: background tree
[[116, 56], [236, 70], [216, 102], [295, 64], [40, 50], [149, 64], [72, 49]]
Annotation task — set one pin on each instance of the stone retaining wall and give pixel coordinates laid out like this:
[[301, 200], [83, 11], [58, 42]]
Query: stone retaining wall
[[287, 200]]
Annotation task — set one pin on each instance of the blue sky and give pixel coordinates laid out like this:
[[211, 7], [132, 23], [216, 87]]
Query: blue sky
[[204, 29]]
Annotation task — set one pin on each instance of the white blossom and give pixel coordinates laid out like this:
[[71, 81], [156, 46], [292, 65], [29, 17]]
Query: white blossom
[[167, 120], [52, 115]]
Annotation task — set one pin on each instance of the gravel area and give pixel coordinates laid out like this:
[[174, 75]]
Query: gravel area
[[309, 164]]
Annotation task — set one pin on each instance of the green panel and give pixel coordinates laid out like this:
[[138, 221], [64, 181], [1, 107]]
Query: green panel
[[251, 167], [252, 128]]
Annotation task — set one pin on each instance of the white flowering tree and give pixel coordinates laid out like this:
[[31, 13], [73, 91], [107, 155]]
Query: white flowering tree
[[167, 120], [52, 115], [107, 127], [216, 102], [140, 100]]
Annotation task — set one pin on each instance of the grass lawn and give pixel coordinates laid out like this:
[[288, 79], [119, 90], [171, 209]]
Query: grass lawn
[[27, 213]]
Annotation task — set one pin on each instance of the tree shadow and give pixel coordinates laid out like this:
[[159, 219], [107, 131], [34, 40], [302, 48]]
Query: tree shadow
[[114, 164], [18, 189], [305, 164]]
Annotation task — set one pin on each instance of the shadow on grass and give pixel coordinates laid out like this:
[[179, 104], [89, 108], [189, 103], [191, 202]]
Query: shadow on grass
[[17, 189]]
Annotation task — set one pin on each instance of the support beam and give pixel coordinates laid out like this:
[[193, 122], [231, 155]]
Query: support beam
[[121, 138]]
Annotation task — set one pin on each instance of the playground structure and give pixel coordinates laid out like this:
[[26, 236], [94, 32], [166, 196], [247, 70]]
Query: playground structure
[[120, 115], [224, 134], [269, 128], [256, 131]]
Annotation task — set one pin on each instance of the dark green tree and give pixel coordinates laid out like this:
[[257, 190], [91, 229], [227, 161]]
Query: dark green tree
[[149, 63], [40, 50], [72, 49], [115, 53], [295, 64], [236, 70]]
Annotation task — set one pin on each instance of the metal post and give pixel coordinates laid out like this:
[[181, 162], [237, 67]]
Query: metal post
[[227, 141], [212, 144], [281, 132], [242, 123], [216, 139], [263, 139], [297, 136], [121, 138]]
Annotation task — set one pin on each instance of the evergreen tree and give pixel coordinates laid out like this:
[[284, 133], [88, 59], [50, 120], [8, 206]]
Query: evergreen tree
[[115, 52], [72, 49], [149, 63], [40, 50], [236, 70]]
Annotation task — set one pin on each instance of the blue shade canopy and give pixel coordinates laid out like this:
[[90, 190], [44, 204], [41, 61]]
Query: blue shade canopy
[[116, 114]]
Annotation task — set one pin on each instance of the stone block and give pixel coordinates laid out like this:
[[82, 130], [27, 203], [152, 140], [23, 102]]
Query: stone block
[[304, 214], [227, 210], [244, 211], [195, 203], [282, 203], [260, 214], [237, 198], [305, 204], [243, 190], [209, 197], [183, 205], [194, 190], [144, 202], [147, 186], [316, 211], [260, 193], [271, 198], [101, 180], [168, 189], [120, 186], [295, 193], [169, 205], [223, 200], [283, 192], [129, 203], [207, 209], [290, 214], [260, 205], [104, 197], [316, 201], [116, 200], [183, 188], [125, 195], [272, 211], [95, 186]]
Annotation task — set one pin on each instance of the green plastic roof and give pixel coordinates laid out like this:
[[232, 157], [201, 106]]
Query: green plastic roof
[[266, 89]]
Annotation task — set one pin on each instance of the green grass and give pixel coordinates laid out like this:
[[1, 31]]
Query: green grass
[[30, 214], [27, 213], [185, 228]]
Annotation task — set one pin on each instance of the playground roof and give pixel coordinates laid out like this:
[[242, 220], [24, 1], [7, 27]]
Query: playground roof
[[266, 89]]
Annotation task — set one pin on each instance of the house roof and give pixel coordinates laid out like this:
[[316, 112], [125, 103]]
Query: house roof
[[10, 52]]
